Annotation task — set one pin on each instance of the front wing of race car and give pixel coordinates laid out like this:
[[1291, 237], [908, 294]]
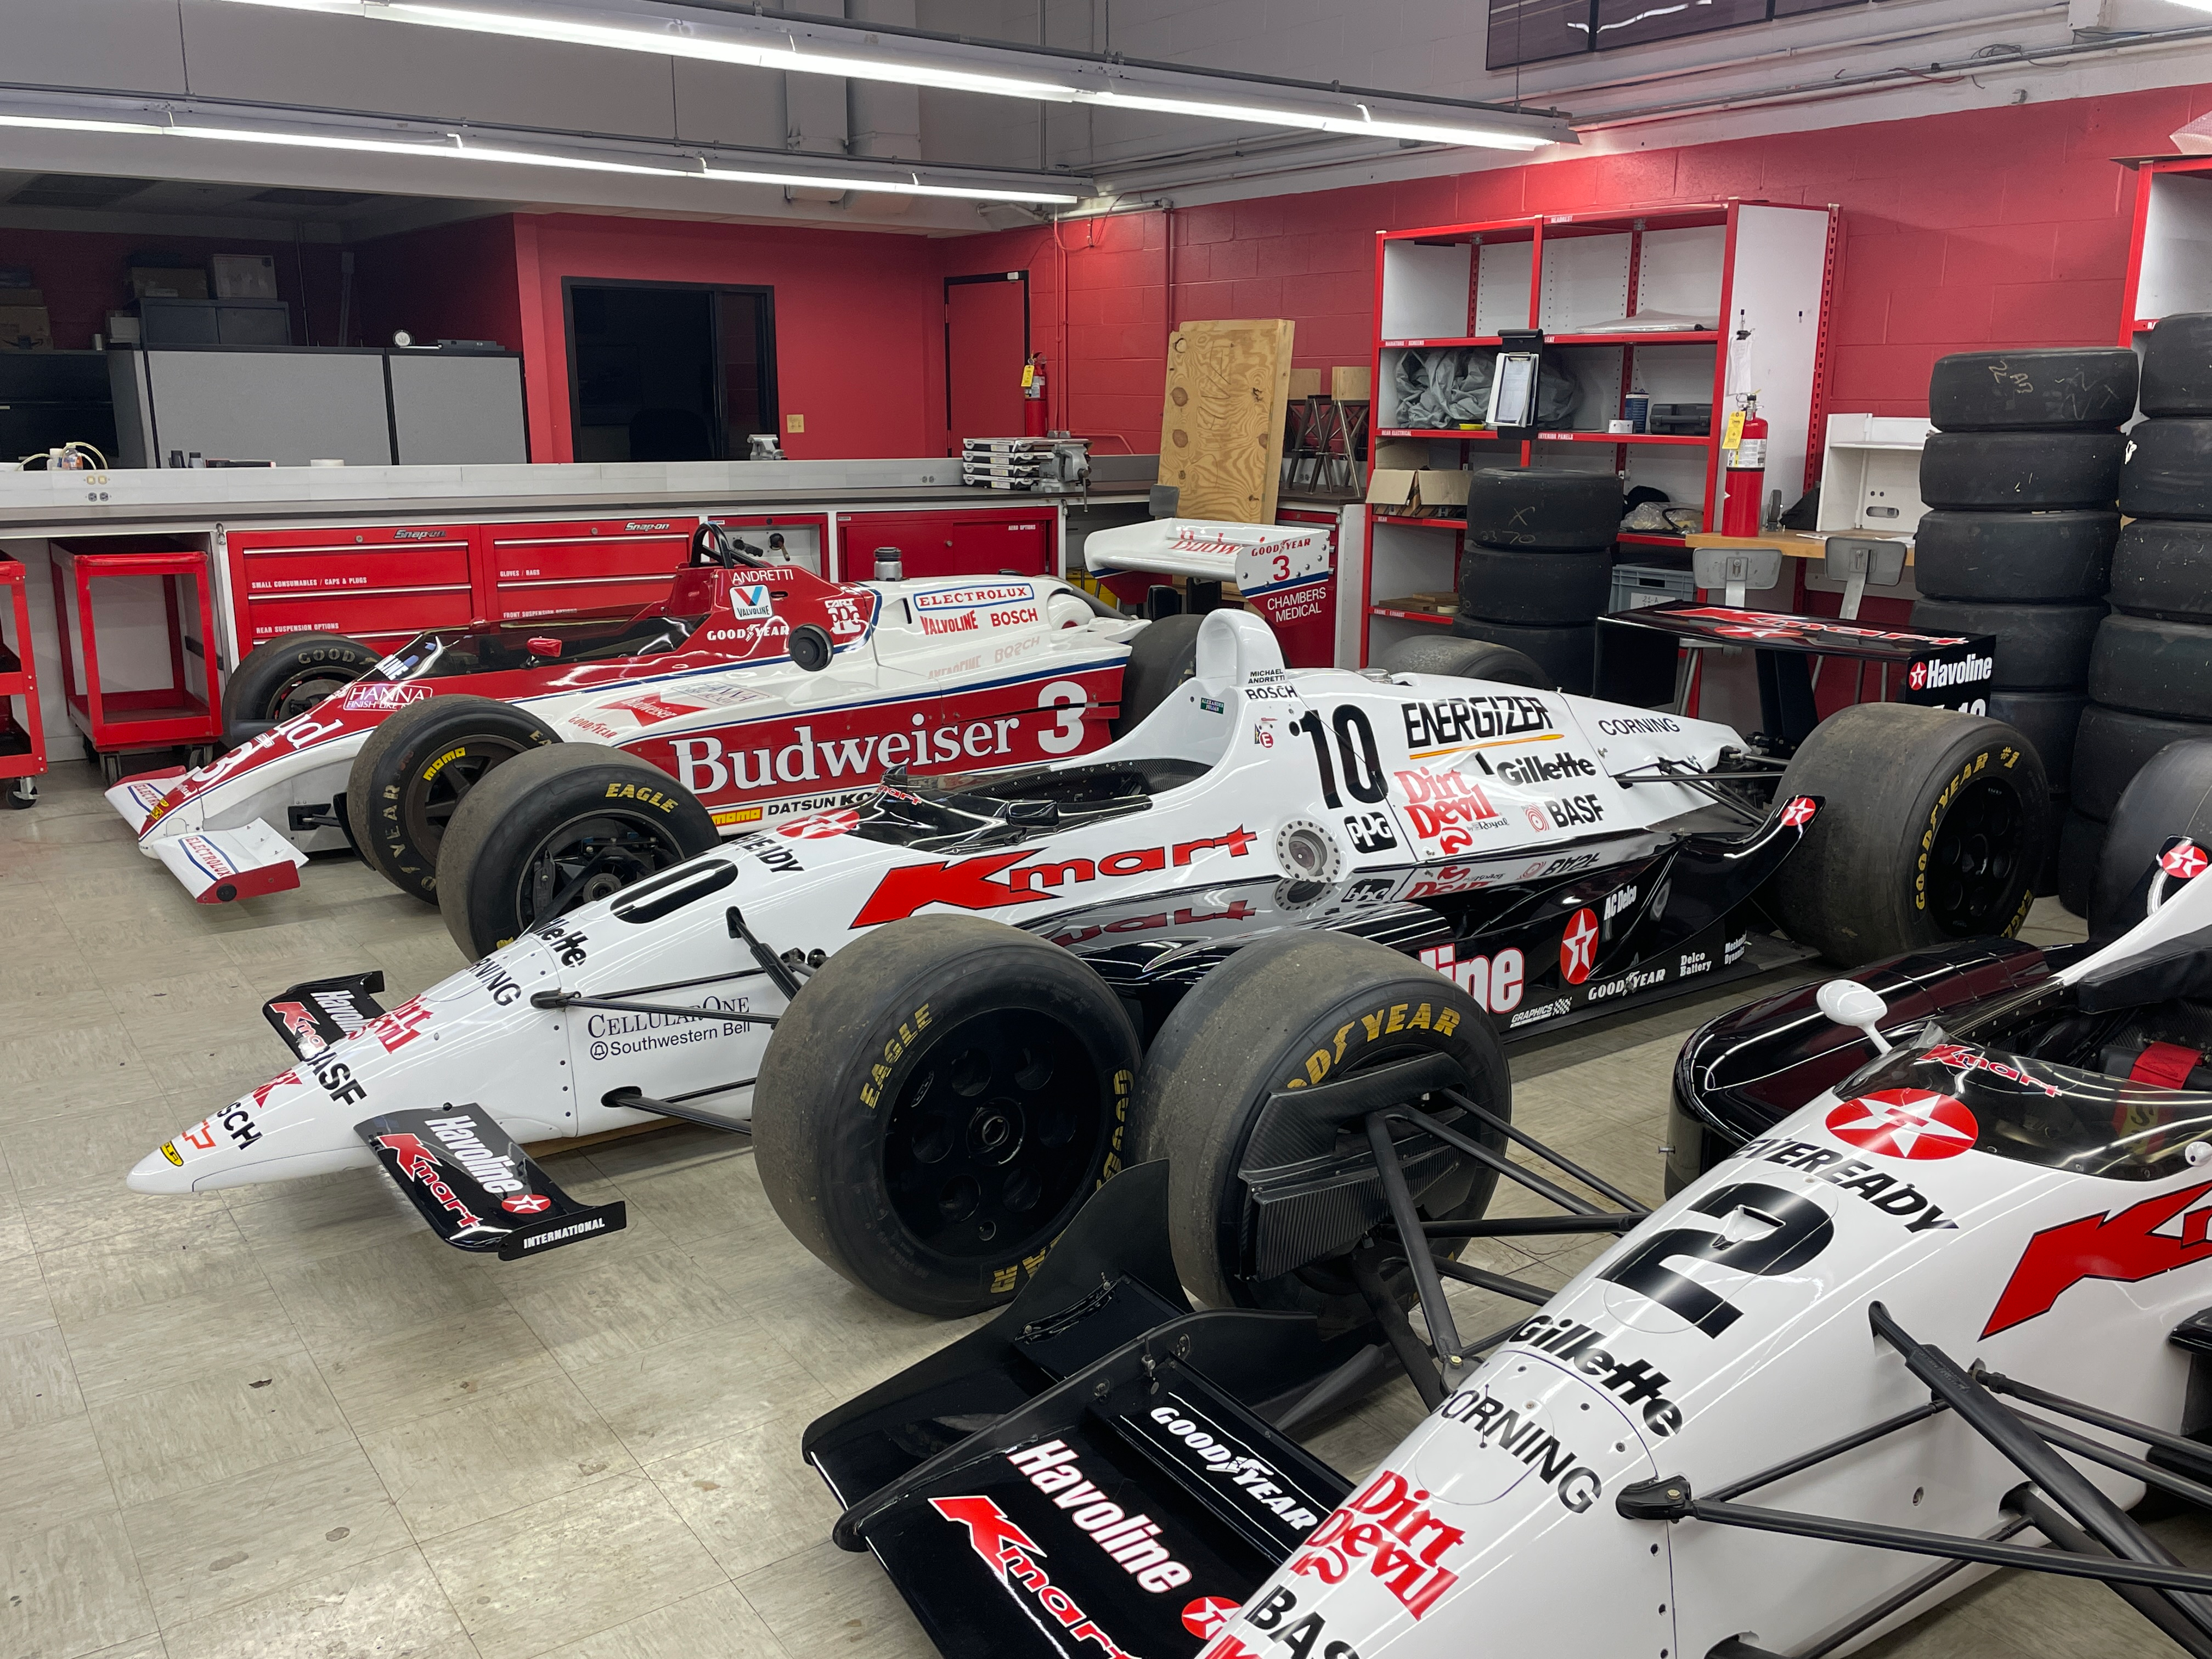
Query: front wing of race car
[[1124, 1492]]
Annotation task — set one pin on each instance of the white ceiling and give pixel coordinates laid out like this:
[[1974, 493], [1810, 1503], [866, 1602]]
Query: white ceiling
[[1732, 83]]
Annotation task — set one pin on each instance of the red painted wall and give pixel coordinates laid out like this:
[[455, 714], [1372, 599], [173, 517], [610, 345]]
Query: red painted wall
[[1986, 228], [450, 282], [859, 317], [83, 275]]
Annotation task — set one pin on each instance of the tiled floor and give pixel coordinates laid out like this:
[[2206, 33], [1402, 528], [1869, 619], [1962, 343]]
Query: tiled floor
[[286, 1421]]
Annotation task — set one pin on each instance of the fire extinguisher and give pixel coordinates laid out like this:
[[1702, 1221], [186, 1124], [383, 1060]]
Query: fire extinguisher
[[1034, 419], [1746, 485]]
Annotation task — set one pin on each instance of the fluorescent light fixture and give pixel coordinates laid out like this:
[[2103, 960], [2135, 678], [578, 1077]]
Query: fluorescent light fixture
[[708, 165], [809, 46]]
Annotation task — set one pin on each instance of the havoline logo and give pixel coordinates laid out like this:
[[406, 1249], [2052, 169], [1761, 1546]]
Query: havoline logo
[[1940, 674]]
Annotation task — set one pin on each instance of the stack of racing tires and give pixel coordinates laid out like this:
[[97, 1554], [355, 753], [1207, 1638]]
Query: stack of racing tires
[[1537, 571], [2019, 478], [2150, 675]]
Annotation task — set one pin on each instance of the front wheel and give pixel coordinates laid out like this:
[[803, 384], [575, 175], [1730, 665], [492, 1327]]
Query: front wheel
[[937, 1103], [289, 675], [417, 768], [558, 827], [1932, 828], [1271, 1201]]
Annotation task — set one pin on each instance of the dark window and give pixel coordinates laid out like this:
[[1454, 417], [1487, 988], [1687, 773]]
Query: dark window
[[669, 371], [1531, 30]]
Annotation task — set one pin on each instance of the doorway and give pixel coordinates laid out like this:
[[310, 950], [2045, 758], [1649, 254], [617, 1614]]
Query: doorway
[[986, 341], [669, 371]]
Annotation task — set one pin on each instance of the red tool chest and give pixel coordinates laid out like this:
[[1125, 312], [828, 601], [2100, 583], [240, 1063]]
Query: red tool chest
[[566, 567], [379, 584], [22, 737], [952, 543]]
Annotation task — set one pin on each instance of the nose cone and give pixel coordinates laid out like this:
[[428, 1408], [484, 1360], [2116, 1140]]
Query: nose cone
[[158, 1172]]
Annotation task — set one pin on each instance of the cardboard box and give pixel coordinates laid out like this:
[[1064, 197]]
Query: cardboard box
[[1393, 489], [1304, 383], [24, 328], [1444, 494], [1405, 454], [167, 282], [1429, 604], [244, 276], [1352, 385]]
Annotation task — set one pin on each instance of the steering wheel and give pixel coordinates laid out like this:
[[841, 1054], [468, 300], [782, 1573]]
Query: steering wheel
[[718, 544]]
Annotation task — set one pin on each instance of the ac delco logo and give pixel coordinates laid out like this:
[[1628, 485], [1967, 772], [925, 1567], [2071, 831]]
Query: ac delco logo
[[975, 884]]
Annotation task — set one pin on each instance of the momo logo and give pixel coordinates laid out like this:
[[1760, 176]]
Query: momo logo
[[2127, 1247], [1908, 1123], [382, 696], [975, 884], [1578, 946]]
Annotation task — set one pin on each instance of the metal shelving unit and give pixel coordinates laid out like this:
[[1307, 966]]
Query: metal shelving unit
[[1762, 271]]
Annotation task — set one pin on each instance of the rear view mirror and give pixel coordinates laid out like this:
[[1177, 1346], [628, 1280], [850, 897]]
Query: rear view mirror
[[1847, 1002]]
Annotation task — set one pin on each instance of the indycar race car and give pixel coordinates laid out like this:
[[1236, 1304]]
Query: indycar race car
[[1955, 1313], [930, 1111], [762, 691]]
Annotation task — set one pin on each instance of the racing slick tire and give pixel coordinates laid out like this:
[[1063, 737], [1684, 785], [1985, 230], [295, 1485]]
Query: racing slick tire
[[414, 771], [2177, 366], [2040, 647], [2080, 848], [1163, 656], [1543, 510], [937, 1103], [2170, 796], [2070, 389], [2153, 667], [2019, 558], [287, 675], [1464, 659], [2048, 720], [556, 828], [1567, 656], [2020, 472], [2163, 568], [1931, 829], [2169, 470], [1496, 584], [2110, 746], [1291, 1011]]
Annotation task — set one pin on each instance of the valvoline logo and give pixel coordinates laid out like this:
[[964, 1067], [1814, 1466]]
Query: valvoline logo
[[752, 600]]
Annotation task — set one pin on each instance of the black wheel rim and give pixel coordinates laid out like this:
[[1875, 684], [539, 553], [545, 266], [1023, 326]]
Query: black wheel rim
[[303, 691], [998, 1134], [588, 858], [431, 803], [1974, 862]]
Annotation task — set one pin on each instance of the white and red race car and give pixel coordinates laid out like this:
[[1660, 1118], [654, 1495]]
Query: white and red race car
[[948, 1087], [760, 690], [1955, 1313]]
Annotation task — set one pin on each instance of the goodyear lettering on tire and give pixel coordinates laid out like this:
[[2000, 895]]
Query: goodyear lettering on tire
[[1372, 1028], [1965, 776]]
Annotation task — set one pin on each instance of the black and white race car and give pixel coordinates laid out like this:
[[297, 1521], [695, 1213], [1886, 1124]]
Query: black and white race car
[[990, 957]]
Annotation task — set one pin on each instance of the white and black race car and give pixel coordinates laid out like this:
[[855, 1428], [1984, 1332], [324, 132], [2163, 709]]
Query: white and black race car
[[1954, 1314], [929, 1008]]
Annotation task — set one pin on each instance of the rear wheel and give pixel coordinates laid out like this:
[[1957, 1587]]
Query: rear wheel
[[1466, 660], [1162, 657], [1567, 656], [289, 675], [937, 1103], [2170, 796], [416, 769], [555, 828], [1931, 829], [1219, 1098]]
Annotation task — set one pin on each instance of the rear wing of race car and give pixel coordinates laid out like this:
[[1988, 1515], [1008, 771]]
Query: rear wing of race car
[[1098, 1460]]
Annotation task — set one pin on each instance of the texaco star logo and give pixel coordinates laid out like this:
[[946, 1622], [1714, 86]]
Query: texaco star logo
[[1917, 676], [1799, 810], [1207, 1614], [822, 826], [1578, 947], [527, 1204], [1909, 1123], [2183, 860]]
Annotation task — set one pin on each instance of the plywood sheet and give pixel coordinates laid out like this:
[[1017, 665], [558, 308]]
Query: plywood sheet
[[1221, 428]]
